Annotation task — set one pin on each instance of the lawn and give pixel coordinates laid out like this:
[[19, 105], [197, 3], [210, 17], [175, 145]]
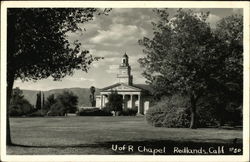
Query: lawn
[[97, 135]]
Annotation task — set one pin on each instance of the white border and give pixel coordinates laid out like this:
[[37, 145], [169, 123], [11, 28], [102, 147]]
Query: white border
[[126, 4]]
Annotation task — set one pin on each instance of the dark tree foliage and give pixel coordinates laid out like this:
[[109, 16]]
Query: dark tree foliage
[[17, 94], [115, 102], [43, 101], [92, 96], [19, 105], [49, 102], [226, 90], [185, 56], [68, 102], [57, 109], [37, 45], [39, 100]]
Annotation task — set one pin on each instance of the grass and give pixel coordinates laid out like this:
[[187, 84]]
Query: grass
[[96, 135]]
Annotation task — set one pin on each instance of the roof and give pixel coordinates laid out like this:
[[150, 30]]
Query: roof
[[118, 84], [145, 87], [139, 87], [125, 55]]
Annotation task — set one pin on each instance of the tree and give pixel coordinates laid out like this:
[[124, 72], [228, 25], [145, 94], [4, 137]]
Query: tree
[[227, 87], [38, 101], [92, 96], [57, 109], [17, 95], [37, 45], [68, 101], [49, 102], [114, 102], [230, 31], [18, 104], [43, 103], [182, 56]]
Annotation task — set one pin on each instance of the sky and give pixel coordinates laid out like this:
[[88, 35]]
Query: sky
[[110, 37]]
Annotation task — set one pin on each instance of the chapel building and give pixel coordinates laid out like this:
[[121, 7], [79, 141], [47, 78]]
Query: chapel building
[[135, 96]]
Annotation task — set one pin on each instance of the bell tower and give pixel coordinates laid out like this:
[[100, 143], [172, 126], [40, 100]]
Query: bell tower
[[124, 75]]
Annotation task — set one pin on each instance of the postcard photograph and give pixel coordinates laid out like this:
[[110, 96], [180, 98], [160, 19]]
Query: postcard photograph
[[123, 81]]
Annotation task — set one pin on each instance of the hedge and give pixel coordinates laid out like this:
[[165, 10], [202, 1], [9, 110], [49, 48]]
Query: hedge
[[93, 112]]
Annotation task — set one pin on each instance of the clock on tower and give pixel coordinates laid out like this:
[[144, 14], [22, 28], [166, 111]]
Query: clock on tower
[[124, 75]]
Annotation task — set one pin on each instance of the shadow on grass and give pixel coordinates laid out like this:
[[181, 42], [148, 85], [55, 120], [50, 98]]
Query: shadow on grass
[[145, 147]]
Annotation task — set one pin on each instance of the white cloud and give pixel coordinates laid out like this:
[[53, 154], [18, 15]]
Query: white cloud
[[92, 26], [122, 10], [104, 53], [118, 35], [118, 20], [80, 79], [238, 11], [87, 79], [213, 19], [106, 62], [133, 60], [113, 69], [95, 64]]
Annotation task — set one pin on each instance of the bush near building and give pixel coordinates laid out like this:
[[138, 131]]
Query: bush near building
[[173, 112], [129, 112], [114, 103], [94, 112], [169, 112]]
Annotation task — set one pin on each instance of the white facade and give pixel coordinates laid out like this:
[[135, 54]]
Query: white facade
[[133, 97]]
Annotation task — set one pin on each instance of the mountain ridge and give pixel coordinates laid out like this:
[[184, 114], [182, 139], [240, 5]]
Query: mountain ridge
[[81, 93]]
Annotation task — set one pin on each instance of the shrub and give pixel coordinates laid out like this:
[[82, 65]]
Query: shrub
[[169, 112], [15, 111], [114, 102], [106, 109], [20, 108], [211, 113], [233, 114], [48, 103], [206, 115], [56, 109], [174, 112], [37, 113], [68, 101], [129, 112], [94, 112]]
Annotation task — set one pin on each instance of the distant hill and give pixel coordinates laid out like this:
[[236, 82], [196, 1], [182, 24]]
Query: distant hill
[[82, 93]]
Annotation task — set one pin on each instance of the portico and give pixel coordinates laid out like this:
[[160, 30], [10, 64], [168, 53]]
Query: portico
[[133, 96]]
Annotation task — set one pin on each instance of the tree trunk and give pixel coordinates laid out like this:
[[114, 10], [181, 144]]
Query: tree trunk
[[10, 82], [221, 122], [193, 123], [221, 114]]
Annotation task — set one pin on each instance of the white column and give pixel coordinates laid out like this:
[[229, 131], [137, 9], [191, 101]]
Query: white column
[[123, 101], [131, 96], [139, 104], [104, 98], [101, 101]]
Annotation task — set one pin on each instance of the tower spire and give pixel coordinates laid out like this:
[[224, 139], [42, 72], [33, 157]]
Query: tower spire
[[124, 75]]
